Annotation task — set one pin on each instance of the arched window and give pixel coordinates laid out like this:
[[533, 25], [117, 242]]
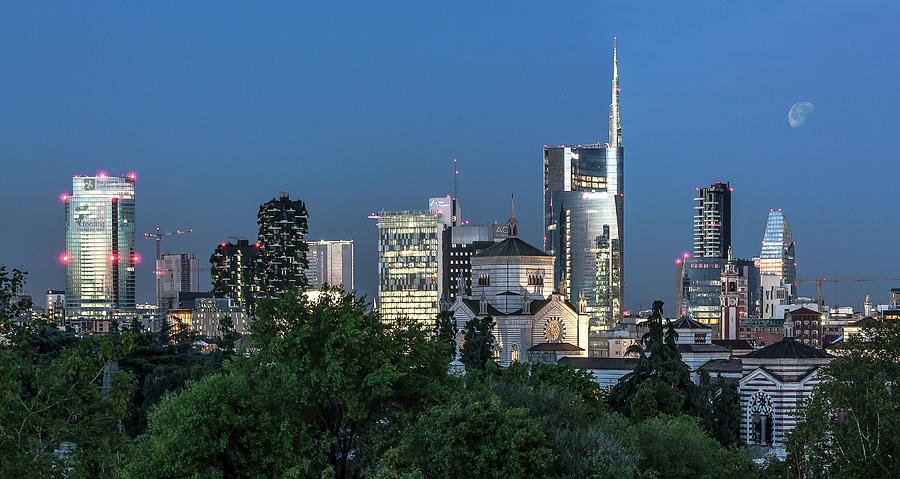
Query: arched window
[[514, 353], [762, 419]]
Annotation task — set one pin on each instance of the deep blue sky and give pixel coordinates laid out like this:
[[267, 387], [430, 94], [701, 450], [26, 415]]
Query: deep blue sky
[[355, 108]]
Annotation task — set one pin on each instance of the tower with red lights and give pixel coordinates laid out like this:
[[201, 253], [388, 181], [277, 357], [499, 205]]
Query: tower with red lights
[[100, 254]]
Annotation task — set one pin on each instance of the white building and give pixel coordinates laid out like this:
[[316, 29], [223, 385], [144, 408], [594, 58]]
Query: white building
[[512, 282], [209, 312], [330, 262]]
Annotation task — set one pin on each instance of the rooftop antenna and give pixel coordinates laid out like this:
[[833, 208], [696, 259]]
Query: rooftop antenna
[[455, 201]]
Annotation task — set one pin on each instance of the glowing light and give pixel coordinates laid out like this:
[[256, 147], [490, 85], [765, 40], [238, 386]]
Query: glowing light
[[64, 258], [113, 257], [731, 189], [222, 245], [64, 197], [101, 174], [678, 261], [132, 176], [135, 258], [258, 245]]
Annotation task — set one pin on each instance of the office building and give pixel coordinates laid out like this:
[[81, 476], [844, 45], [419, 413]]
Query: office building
[[583, 219], [460, 243], [281, 261], [100, 254], [408, 264], [704, 291], [777, 265], [232, 269], [330, 262], [208, 313], [178, 272], [56, 306], [712, 221]]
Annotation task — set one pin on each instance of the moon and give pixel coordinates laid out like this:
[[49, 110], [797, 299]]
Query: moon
[[798, 113]]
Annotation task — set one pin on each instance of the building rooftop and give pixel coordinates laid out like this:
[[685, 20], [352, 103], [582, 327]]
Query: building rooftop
[[788, 348], [510, 247], [733, 344], [555, 347], [723, 366], [701, 348], [619, 364], [687, 323], [805, 311]]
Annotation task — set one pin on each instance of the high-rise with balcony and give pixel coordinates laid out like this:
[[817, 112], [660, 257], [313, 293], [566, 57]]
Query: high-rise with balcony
[[583, 219], [712, 221], [232, 270], [282, 260], [100, 257]]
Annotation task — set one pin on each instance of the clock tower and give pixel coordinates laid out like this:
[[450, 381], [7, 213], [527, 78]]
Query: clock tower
[[733, 300]]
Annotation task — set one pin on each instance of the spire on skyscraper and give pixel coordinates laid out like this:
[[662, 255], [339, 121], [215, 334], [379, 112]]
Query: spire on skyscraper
[[615, 123]]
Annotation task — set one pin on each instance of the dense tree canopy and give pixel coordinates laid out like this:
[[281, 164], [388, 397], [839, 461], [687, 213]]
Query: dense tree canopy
[[850, 427]]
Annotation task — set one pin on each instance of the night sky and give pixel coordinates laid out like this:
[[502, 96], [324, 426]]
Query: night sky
[[218, 106]]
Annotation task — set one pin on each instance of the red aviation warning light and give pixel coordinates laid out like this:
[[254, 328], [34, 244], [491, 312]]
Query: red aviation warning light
[[64, 197], [132, 176], [135, 258], [113, 257], [64, 258], [101, 174]]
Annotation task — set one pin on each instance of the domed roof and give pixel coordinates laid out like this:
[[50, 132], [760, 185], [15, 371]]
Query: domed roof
[[510, 247]]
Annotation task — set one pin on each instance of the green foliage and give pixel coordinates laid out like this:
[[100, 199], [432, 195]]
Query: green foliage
[[478, 348], [53, 396], [724, 420], [851, 426], [473, 435], [677, 447], [661, 381], [445, 331], [11, 306], [225, 425], [327, 371]]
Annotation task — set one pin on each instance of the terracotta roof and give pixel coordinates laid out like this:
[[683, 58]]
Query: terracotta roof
[[510, 247], [733, 344], [688, 323], [619, 364], [788, 348], [555, 347], [862, 322]]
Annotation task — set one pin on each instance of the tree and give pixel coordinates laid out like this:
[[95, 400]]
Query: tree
[[677, 447], [63, 400], [661, 381], [11, 305], [445, 330], [472, 435], [724, 421], [478, 346], [850, 427], [328, 372]]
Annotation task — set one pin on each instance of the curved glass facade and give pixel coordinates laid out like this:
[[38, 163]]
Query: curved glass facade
[[777, 256], [100, 255]]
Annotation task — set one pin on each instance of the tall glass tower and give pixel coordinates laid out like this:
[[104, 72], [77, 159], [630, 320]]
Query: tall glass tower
[[778, 256], [100, 256], [583, 218]]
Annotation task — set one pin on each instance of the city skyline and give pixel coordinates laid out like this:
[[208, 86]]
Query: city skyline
[[670, 148]]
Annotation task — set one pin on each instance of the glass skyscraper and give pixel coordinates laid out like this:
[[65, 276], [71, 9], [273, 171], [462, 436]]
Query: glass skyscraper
[[583, 219], [408, 265], [331, 262], [712, 221], [100, 257], [777, 256]]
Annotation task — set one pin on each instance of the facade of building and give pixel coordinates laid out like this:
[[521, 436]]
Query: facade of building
[[583, 219], [734, 299], [208, 313], [100, 255], [513, 283], [281, 261], [712, 221], [777, 265], [704, 290], [460, 243], [178, 272], [805, 326], [330, 262], [56, 306], [775, 381], [179, 320], [232, 270], [408, 265]]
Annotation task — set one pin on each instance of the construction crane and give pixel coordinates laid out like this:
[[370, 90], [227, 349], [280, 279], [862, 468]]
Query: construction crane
[[823, 279], [159, 235]]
